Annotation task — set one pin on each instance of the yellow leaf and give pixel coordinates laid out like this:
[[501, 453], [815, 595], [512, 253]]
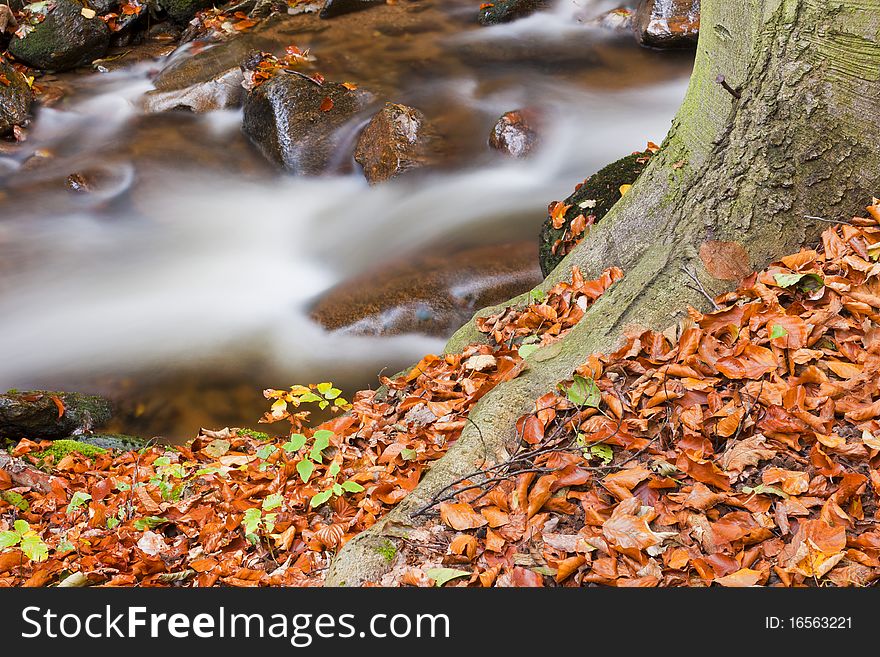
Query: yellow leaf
[[624, 189]]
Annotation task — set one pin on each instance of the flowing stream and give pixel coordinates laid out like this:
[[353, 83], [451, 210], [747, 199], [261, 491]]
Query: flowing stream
[[182, 285]]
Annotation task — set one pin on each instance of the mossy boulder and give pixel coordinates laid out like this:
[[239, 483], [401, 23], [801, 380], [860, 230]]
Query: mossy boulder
[[503, 11], [64, 40], [15, 98], [43, 415], [182, 11], [61, 448], [592, 199]]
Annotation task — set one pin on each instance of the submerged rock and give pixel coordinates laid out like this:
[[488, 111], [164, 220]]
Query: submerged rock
[[65, 39], [396, 139], [333, 8], [220, 92], [41, 415], [617, 20], [667, 23], [502, 11], [15, 98], [589, 203], [514, 134], [296, 122], [433, 294]]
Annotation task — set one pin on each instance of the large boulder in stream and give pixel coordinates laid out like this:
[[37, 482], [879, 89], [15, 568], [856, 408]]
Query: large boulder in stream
[[15, 98], [570, 220], [221, 91], [297, 122], [667, 23], [503, 11], [397, 139], [64, 40], [42, 415]]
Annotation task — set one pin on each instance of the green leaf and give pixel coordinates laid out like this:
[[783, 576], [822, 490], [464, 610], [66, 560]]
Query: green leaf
[[340, 402], [603, 452], [34, 548], [443, 575], [324, 388], [333, 393], [305, 468], [337, 489], [216, 448], [309, 397], [273, 501], [320, 498], [143, 524], [266, 451], [409, 454], [295, 443], [584, 392], [79, 498], [162, 460], [527, 349], [537, 295], [15, 499], [808, 281], [321, 442], [762, 489], [21, 526], [334, 469], [352, 487], [8, 539], [112, 521], [777, 331], [269, 522], [251, 521]]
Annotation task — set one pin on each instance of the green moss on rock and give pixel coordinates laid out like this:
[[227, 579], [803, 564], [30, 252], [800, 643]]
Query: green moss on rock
[[15, 98], [65, 39], [35, 414], [593, 199], [61, 448]]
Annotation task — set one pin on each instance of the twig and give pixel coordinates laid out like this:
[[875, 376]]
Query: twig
[[723, 82], [691, 275]]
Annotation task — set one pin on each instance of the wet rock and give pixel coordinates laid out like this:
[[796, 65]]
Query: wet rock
[[591, 200], [35, 415], [115, 441], [667, 23], [64, 40], [103, 6], [296, 122], [397, 139], [503, 11], [333, 8], [220, 92], [7, 20], [514, 133], [433, 293], [166, 31], [617, 20], [15, 98], [181, 11]]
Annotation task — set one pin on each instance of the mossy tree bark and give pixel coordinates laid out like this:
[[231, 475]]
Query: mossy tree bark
[[793, 136]]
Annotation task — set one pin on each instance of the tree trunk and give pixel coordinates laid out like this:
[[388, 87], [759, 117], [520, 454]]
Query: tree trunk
[[792, 134]]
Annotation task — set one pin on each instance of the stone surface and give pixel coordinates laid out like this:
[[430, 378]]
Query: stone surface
[[220, 92], [433, 293], [592, 199], [181, 11], [15, 98], [65, 39], [514, 133], [667, 23], [296, 122], [35, 414], [617, 20], [333, 8], [396, 140], [503, 11]]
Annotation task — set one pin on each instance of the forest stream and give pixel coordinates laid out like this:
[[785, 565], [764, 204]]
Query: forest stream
[[158, 259]]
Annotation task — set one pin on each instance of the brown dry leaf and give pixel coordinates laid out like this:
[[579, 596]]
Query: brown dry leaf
[[743, 453], [741, 578], [726, 261], [628, 529], [461, 516]]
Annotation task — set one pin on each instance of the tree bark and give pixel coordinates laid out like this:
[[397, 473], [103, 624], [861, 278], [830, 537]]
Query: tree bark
[[791, 135]]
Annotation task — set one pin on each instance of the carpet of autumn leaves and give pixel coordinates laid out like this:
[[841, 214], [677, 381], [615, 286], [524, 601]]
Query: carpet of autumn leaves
[[739, 449], [744, 452], [179, 516]]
